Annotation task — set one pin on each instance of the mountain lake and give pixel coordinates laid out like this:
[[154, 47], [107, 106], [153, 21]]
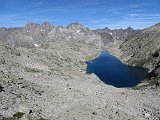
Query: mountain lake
[[113, 72]]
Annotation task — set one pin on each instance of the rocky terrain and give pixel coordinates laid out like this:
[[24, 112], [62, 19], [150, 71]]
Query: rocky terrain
[[32, 35], [143, 49], [4, 32], [43, 76], [109, 35]]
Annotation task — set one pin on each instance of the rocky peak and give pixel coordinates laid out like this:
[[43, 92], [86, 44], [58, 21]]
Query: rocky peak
[[47, 26], [31, 26], [129, 29], [75, 26], [106, 28], [116, 34], [60, 27]]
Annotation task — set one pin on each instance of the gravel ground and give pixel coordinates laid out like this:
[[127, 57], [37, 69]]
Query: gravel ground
[[50, 82]]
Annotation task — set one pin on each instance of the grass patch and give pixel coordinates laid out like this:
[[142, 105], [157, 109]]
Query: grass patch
[[18, 114]]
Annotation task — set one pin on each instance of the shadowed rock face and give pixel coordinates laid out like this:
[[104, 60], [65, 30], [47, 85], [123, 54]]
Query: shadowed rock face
[[143, 46], [143, 50]]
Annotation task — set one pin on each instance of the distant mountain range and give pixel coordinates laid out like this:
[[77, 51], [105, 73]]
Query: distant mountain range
[[109, 35], [35, 34]]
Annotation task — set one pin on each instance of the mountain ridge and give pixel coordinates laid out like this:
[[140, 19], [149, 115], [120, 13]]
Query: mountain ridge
[[33, 33]]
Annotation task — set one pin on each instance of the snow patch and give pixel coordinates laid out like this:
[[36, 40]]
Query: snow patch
[[78, 31], [36, 45], [110, 33], [147, 115], [30, 38], [43, 30], [50, 32]]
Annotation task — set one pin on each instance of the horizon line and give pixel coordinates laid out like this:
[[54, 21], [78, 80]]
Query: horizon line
[[92, 28]]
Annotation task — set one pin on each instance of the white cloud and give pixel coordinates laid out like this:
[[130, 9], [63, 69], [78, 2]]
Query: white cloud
[[141, 5], [143, 15]]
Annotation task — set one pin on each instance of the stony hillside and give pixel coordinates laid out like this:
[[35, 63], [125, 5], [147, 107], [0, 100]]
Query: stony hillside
[[50, 82], [4, 32], [143, 49]]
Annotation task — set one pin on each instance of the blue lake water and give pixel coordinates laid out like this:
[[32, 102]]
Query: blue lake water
[[112, 71]]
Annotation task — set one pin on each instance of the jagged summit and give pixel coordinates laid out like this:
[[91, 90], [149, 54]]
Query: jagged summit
[[75, 26], [116, 34], [129, 28], [47, 26], [106, 28], [33, 33], [30, 26]]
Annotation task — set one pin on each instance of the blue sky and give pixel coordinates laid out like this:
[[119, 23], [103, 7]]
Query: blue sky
[[91, 13]]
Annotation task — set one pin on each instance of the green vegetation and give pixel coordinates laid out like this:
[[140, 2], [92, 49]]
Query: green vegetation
[[16, 116], [20, 115]]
